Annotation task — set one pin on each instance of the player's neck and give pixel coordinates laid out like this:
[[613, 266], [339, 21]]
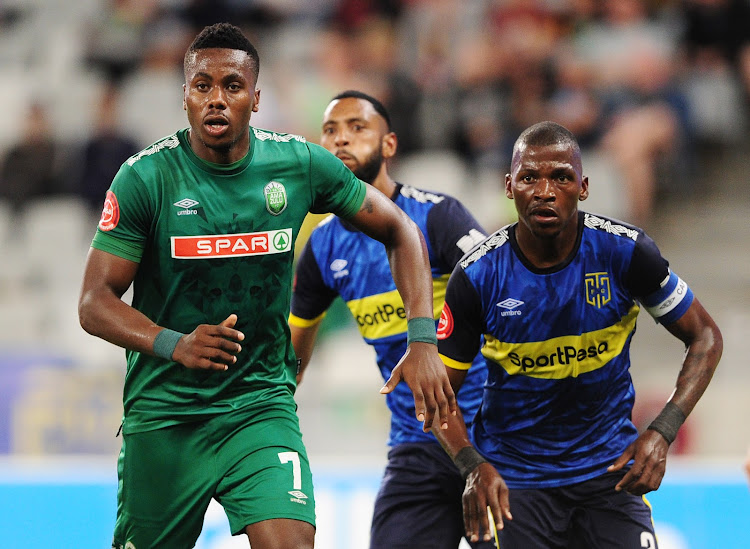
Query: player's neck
[[384, 183], [548, 250]]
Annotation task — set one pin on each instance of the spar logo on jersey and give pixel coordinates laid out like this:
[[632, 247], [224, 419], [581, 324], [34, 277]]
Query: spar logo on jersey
[[510, 306], [598, 291], [231, 245], [275, 194], [110, 212], [187, 206], [445, 324]]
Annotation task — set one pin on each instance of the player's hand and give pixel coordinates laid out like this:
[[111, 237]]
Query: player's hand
[[485, 486], [424, 373], [210, 346], [649, 452]]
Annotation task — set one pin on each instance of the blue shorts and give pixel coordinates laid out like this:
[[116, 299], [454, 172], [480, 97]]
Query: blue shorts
[[419, 505], [587, 515]]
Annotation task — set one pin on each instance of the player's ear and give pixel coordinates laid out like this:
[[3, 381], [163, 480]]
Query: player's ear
[[508, 186], [584, 194], [256, 99], [184, 100], [390, 145]]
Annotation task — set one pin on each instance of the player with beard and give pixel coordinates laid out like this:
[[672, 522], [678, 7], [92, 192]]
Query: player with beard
[[203, 224], [419, 501]]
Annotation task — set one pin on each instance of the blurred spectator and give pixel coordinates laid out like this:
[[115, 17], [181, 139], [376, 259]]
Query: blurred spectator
[[377, 56], [717, 47], [30, 167], [630, 57], [105, 151], [152, 95], [116, 42]]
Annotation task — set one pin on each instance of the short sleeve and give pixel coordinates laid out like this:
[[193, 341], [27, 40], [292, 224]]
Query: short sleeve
[[335, 188], [461, 322], [452, 231], [310, 295], [663, 294], [126, 217]]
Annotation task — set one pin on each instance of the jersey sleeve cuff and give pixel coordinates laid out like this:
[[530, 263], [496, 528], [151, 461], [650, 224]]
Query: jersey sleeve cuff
[[115, 246], [455, 364], [304, 322]]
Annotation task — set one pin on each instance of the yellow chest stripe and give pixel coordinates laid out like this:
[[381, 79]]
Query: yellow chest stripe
[[384, 315], [565, 356]]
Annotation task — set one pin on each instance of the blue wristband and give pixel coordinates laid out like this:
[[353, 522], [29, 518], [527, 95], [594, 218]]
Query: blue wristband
[[165, 343], [421, 329]]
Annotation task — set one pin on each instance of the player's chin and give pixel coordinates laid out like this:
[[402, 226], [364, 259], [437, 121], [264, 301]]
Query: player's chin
[[545, 225]]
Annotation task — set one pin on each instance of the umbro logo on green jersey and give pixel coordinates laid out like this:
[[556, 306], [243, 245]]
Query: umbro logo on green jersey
[[298, 497], [187, 206]]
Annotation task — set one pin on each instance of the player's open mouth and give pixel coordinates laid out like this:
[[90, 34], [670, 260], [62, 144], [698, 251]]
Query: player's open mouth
[[544, 214], [216, 127]]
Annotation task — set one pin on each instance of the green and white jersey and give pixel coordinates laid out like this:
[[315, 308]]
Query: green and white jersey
[[212, 240]]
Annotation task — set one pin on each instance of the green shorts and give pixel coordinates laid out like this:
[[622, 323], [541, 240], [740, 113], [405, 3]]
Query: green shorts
[[255, 466]]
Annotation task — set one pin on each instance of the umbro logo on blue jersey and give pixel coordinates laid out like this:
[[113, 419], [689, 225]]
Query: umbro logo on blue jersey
[[187, 206], [510, 305], [338, 266]]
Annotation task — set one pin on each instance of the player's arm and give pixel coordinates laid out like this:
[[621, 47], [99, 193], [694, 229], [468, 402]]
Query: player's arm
[[311, 298], [704, 345], [671, 302], [420, 366], [103, 313], [461, 327]]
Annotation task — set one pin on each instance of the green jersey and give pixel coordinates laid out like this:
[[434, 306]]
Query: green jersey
[[212, 240]]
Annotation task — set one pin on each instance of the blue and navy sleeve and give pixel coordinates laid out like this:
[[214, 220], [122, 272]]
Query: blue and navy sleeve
[[662, 293], [310, 295], [452, 231], [461, 323]]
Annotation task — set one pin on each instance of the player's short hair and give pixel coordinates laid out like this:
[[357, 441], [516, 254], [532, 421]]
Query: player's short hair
[[377, 105], [547, 133], [223, 35]]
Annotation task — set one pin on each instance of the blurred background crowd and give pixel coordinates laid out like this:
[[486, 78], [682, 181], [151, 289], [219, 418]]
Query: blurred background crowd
[[657, 91]]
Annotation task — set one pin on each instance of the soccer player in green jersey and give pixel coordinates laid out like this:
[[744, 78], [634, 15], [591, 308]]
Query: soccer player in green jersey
[[202, 224]]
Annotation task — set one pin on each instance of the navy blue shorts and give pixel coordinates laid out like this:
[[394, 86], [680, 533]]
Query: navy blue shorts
[[419, 505], [587, 515]]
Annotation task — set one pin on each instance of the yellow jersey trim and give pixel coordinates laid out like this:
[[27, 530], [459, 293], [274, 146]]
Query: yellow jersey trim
[[455, 364], [303, 322]]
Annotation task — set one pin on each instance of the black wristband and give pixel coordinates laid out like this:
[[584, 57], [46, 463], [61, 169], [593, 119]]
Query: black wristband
[[467, 459], [668, 422]]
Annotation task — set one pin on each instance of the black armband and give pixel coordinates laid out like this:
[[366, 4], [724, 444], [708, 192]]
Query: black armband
[[668, 422], [467, 459]]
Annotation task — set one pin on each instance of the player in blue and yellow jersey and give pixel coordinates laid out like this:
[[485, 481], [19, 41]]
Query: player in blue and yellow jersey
[[419, 501], [203, 224], [553, 301]]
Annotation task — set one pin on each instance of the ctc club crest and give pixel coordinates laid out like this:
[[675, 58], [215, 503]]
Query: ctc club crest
[[598, 291], [275, 194]]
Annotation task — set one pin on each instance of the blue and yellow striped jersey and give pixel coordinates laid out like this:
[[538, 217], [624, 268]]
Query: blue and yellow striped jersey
[[338, 260], [558, 399]]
